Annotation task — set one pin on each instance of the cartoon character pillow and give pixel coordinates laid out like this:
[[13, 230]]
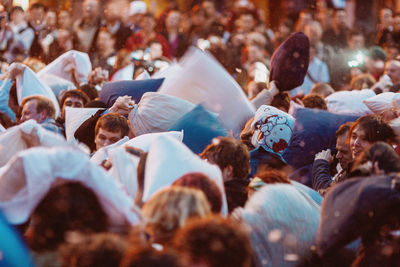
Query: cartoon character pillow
[[273, 129]]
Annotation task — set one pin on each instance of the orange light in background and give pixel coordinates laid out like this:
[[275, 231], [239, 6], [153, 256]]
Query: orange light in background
[[22, 3]]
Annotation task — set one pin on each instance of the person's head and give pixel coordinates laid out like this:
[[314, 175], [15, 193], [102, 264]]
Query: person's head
[[95, 250], [91, 9], [173, 19], [17, 14], [362, 81], [155, 49], [112, 11], [305, 17], [64, 19], [38, 108], [314, 101], [169, 209], [339, 18], [392, 50], [322, 89], [214, 242], [273, 176], [313, 30], [386, 17], [148, 256], [51, 19], [247, 21], [148, 22], [37, 12], [69, 206], [392, 69], [367, 130], [379, 159], [109, 129], [198, 16], [73, 99], [105, 40], [65, 39], [355, 40], [343, 151], [281, 101], [231, 156], [123, 59], [200, 181], [209, 8]]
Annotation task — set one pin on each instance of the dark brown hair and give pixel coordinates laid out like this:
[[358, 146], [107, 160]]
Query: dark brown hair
[[225, 151], [75, 93], [67, 207], [215, 241], [314, 101], [112, 122], [375, 129]]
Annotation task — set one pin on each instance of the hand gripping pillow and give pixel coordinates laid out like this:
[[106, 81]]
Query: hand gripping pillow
[[313, 131], [157, 112], [11, 141], [73, 66], [289, 62], [29, 84], [112, 90], [168, 160], [199, 126], [349, 102]]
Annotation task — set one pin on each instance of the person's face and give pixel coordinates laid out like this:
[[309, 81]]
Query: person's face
[[173, 19], [51, 19], [393, 71], [358, 142], [247, 22], [343, 154], [112, 12], [105, 41], [17, 16], [340, 18], [148, 24], [105, 138], [29, 112], [155, 51], [385, 16], [90, 9], [64, 20], [37, 15], [209, 8], [73, 102], [356, 42]]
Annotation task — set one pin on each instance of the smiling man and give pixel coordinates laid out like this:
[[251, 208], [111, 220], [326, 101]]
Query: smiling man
[[110, 128]]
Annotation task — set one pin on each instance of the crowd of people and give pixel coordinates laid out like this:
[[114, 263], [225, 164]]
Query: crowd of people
[[198, 138]]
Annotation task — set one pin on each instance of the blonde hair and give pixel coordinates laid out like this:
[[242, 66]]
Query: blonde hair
[[169, 209]]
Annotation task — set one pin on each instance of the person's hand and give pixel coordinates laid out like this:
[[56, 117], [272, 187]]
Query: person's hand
[[324, 155], [31, 139], [98, 76], [14, 70], [123, 105]]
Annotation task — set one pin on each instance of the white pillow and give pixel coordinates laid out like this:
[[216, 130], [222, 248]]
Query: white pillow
[[11, 141], [123, 74], [202, 80], [74, 117], [168, 160], [144, 141], [57, 84], [349, 102], [157, 112], [103, 153], [380, 103], [124, 169], [32, 173], [73, 66], [29, 84]]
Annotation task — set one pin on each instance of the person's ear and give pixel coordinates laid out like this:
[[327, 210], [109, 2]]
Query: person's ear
[[227, 172], [43, 115]]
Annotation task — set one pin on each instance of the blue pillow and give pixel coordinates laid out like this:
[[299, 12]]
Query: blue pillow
[[199, 128], [13, 250], [313, 131], [112, 90]]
